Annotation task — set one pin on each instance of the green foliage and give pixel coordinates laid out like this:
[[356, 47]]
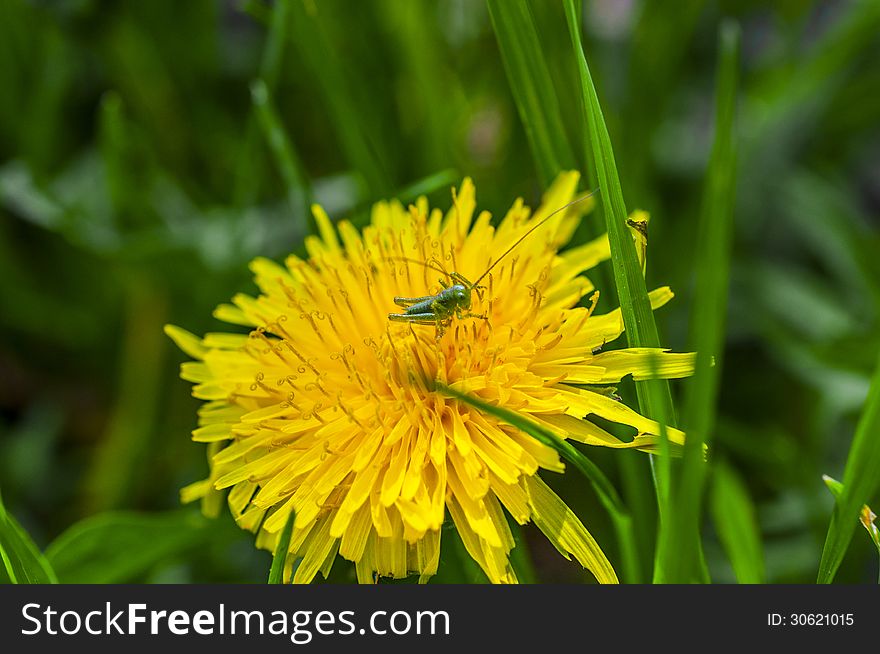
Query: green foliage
[[282, 150], [276, 572], [23, 562], [148, 150], [867, 516], [680, 553], [118, 547], [736, 523], [532, 86], [641, 330], [655, 399], [861, 479], [345, 96]]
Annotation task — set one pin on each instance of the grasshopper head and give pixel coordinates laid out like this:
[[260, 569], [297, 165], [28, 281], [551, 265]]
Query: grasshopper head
[[462, 295], [454, 298]]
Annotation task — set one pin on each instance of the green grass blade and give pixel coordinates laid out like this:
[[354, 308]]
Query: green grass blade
[[532, 86], [833, 485], [639, 496], [537, 103], [638, 318], [353, 119], [292, 171], [636, 309], [441, 179], [117, 464], [279, 26], [641, 331], [419, 57], [22, 559], [734, 516], [360, 215], [249, 170], [276, 572], [861, 479], [605, 490], [521, 557], [867, 517], [118, 547], [112, 130], [680, 547]]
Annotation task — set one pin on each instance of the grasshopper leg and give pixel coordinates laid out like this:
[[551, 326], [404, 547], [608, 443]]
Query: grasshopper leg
[[408, 301], [417, 318], [421, 319]]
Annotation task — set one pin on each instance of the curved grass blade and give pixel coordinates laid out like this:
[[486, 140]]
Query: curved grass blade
[[360, 215], [117, 460], [679, 545], [270, 64], [441, 179], [289, 164], [638, 319], [532, 86], [416, 47], [867, 517], [861, 479], [249, 170], [734, 516], [22, 559], [356, 121], [605, 490], [276, 572], [655, 399], [119, 546]]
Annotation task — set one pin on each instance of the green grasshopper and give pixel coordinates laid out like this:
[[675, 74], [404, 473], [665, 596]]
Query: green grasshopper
[[454, 299]]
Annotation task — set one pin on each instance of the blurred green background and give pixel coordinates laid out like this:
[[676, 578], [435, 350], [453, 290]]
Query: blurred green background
[[149, 150]]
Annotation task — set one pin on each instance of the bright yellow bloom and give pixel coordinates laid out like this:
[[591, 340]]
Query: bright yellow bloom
[[327, 408]]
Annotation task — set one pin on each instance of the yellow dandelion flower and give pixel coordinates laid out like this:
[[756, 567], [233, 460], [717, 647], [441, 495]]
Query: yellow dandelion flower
[[327, 408]]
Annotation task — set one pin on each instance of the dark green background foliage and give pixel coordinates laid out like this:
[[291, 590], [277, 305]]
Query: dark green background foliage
[[148, 150]]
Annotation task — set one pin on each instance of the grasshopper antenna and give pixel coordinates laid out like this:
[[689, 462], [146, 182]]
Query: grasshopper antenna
[[532, 229], [426, 264]]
